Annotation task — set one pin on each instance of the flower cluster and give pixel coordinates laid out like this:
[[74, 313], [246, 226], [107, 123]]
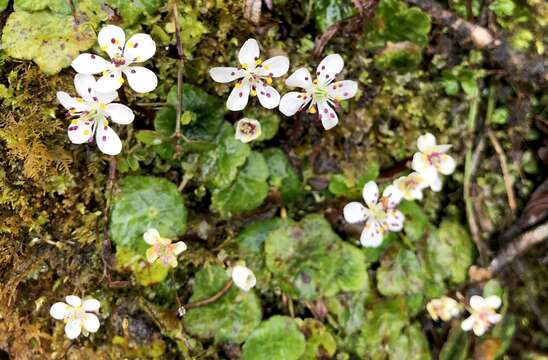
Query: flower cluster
[[482, 312], [253, 77], [93, 110], [381, 215], [162, 249]]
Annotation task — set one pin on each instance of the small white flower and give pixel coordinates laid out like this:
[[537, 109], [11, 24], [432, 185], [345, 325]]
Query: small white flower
[[162, 249], [431, 161], [92, 112], [380, 215], [77, 314], [320, 92], [443, 308], [139, 48], [247, 130], [411, 186], [482, 314], [243, 277], [255, 77]]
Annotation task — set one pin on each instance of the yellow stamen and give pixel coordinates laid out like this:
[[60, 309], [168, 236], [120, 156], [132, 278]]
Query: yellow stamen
[[244, 66], [79, 100], [269, 80], [129, 44], [315, 81], [105, 123], [74, 122], [238, 85], [253, 93], [121, 80], [312, 110], [102, 106], [105, 73], [258, 62]]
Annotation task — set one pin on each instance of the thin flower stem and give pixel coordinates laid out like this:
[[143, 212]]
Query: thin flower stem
[[107, 245], [171, 272], [211, 299]]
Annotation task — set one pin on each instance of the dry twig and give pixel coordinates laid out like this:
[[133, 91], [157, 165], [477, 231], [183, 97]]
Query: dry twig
[[505, 171]]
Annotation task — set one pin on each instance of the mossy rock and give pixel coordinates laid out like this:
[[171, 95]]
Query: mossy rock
[[231, 318], [146, 202]]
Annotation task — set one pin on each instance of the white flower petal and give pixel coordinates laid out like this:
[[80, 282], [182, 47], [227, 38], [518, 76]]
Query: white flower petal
[[267, 95], [421, 165], [372, 234], [119, 113], [393, 195], [151, 255], [73, 329], [370, 193], [237, 100], [71, 103], [80, 131], [107, 140], [342, 90], [494, 318], [394, 220], [140, 79], [139, 48], [107, 97], [226, 74], [435, 183], [151, 236], [90, 64], [274, 67], [249, 52], [477, 302], [426, 142], [243, 277], [179, 247], [327, 115], [480, 328], [292, 102], [85, 85], [73, 300], [493, 301], [447, 165], [91, 305], [109, 82], [91, 322], [111, 38], [59, 310], [354, 212], [468, 323], [300, 78], [329, 67]]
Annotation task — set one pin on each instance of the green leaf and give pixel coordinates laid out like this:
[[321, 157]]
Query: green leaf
[[134, 11], [500, 115], [3, 4], [275, 338], [304, 257], [451, 251], [352, 275], [400, 273], [52, 50], [282, 176], [416, 223], [248, 190], [149, 137], [457, 345], [503, 7], [319, 342], [328, 12], [403, 56], [411, 345], [58, 6], [351, 187], [146, 202], [493, 287], [145, 273], [349, 310], [232, 318]]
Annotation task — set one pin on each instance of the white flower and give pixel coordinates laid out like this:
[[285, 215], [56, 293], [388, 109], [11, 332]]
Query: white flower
[[162, 249], [255, 76], [243, 277], [77, 314], [411, 186], [320, 92], [443, 308], [139, 48], [92, 112], [432, 161], [380, 216], [247, 130], [482, 314]]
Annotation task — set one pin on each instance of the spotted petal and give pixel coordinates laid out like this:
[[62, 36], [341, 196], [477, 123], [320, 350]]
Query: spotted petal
[[226, 74], [81, 131], [300, 78], [85, 84], [140, 79], [109, 82], [372, 234], [354, 212], [249, 52], [329, 67], [274, 67], [394, 220], [112, 38], [370, 193], [107, 140], [327, 115], [342, 90], [393, 196], [139, 48], [90, 64], [292, 102], [119, 113], [237, 100], [267, 95], [71, 103]]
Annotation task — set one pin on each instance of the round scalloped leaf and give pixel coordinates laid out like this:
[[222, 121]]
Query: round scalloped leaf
[[320, 343], [146, 202], [231, 318], [276, 338]]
